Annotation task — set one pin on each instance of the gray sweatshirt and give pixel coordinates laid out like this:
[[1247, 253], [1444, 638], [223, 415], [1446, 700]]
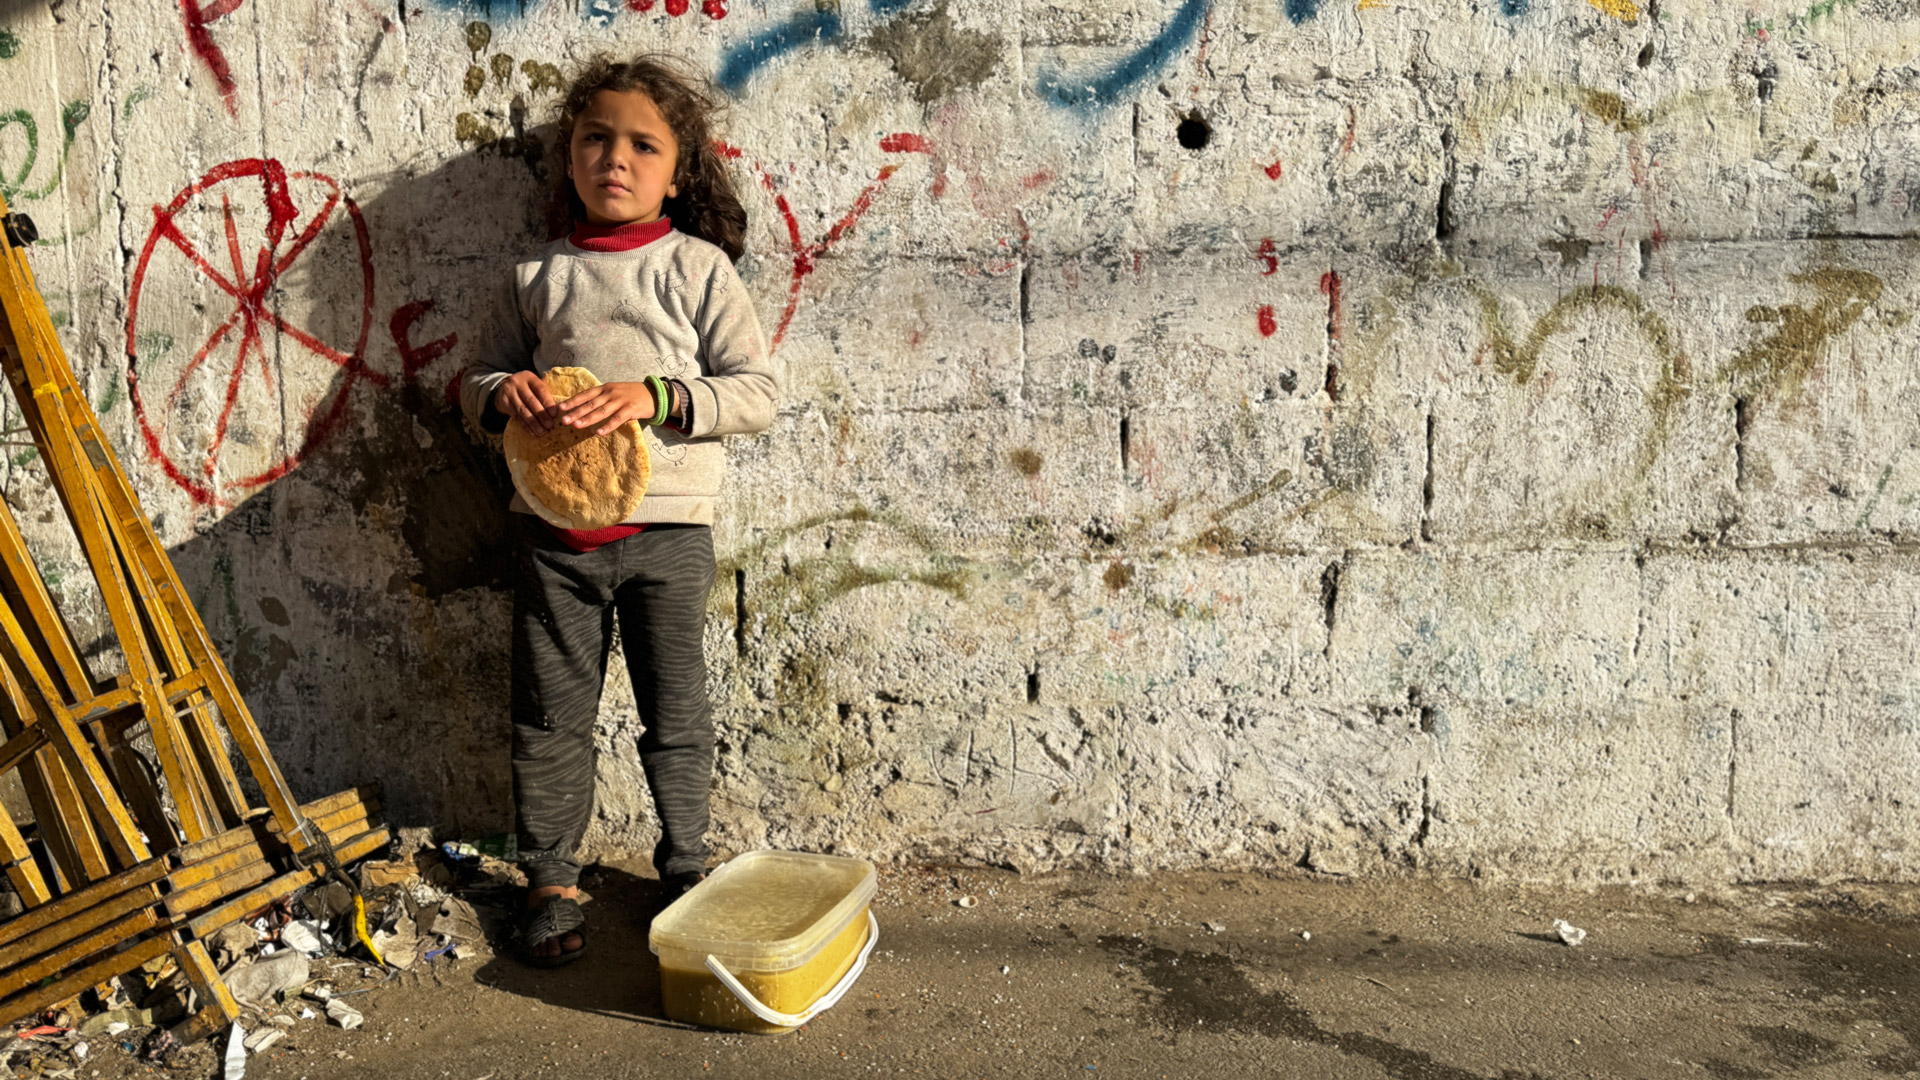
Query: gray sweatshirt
[[673, 308]]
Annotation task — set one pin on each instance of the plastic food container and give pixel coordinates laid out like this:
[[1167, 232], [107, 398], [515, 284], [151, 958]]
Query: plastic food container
[[767, 942]]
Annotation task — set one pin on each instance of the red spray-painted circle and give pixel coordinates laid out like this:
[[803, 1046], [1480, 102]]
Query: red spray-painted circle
[[260, 188]]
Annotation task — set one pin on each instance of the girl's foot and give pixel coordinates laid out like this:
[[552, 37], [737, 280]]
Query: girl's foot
[[553, 925], [678, 885]]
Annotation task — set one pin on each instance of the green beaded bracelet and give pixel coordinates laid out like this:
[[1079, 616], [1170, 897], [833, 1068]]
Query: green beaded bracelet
[[662, 400]]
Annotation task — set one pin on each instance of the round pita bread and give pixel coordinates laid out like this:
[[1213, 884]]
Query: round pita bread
[[572, 478]]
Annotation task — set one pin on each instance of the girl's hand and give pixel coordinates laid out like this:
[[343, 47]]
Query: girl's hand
[[607, 406], [524, 396]]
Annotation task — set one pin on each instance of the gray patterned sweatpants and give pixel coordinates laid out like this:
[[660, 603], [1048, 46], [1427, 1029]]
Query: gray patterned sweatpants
[[565, 605]]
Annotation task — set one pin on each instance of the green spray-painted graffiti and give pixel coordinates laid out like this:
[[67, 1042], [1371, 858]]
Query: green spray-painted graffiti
[[14, 185]]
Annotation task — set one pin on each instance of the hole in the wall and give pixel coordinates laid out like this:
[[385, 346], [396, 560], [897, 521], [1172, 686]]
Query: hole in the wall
[[1645, 59], [1033, 686], [1194, 133]]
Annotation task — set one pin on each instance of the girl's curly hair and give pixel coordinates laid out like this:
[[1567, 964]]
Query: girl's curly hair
[[707, 206]]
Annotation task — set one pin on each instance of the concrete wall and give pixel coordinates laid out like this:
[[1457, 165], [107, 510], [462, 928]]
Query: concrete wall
[[1473, 435]]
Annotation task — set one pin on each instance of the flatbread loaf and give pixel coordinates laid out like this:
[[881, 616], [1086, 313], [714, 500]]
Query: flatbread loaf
[[571, 477]]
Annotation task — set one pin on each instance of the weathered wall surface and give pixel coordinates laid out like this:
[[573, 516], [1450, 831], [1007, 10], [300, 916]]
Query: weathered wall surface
[[1474, 435]]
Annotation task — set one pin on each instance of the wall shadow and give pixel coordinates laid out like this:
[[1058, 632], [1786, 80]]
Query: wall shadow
[[361, 599], [614, 977]]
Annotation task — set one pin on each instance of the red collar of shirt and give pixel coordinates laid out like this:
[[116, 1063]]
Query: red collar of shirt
[[634, 234]]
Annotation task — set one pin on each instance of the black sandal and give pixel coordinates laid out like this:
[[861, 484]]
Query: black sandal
[[553, 921]]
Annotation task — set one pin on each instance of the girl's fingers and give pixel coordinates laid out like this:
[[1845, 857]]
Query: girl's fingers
[[594, 415], [582, 400]]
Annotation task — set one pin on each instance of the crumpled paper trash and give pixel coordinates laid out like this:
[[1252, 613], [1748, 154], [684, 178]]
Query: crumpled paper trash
[[1568, 932], [344, 1014]]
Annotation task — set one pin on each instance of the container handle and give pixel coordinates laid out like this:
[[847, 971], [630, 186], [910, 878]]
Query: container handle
[[827, 1000]]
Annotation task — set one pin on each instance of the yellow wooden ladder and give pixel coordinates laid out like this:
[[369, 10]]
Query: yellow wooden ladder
[[130, 866]]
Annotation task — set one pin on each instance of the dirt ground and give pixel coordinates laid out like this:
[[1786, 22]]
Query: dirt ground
[[1193, 976]]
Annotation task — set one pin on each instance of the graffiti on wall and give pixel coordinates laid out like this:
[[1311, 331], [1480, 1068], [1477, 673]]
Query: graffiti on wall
[[199, 19], [257, 237]]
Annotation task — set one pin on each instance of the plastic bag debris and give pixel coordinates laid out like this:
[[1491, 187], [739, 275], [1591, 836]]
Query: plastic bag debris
[[263, 1038], [344, 1014], [306, 936], [262, 982], [236, 1056], [1568, 932]]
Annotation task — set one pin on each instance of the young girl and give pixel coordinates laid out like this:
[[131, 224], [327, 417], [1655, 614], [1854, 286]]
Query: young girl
[[657, 313]]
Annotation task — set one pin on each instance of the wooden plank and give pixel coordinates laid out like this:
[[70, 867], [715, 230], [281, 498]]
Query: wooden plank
[[18, 748], [365, 794], [69, 928], [76, 902], [72, 822], [206, 892], [25, 575], [285, 885], [230, 871], [22, 1005], [229, 802], [363, 800], [194, 960], [21, 869], [86, 779], [25, 975]]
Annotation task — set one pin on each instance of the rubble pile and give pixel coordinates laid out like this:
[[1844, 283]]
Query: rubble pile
[[295, 964]]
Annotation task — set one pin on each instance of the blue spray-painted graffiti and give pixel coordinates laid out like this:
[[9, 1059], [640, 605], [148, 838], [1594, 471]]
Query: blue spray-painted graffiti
[[1513, 8], [1105, 87], [1299, 11], [744, 60]]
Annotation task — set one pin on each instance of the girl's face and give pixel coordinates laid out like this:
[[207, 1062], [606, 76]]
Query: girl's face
[[622, 158]]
